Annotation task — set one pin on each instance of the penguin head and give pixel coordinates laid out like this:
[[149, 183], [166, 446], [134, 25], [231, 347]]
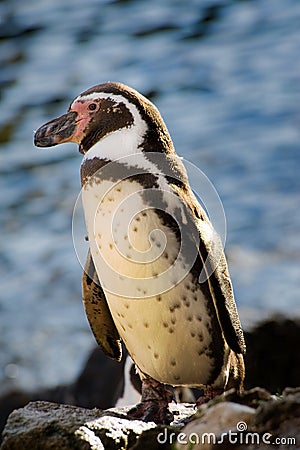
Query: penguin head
[[101, 111]]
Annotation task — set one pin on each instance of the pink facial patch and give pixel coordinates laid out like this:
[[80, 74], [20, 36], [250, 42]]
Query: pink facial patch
[[84, 116]]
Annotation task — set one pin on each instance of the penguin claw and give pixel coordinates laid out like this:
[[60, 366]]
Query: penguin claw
[[152, 411], [155, 401]]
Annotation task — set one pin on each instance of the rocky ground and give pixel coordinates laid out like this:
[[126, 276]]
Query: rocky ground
[[254, 420], [262, 416]]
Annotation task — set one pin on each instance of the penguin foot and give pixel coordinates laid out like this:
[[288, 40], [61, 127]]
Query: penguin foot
[[152, 411], [207, 395], [154, 405]]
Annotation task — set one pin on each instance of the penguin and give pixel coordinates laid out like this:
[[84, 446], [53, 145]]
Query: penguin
[[156, 278]]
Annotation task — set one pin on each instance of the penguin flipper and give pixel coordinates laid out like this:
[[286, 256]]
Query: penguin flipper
[[222, 293], [98, 313], [214, 269]]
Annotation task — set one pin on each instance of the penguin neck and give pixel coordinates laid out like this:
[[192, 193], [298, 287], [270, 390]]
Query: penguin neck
[[116, 145]]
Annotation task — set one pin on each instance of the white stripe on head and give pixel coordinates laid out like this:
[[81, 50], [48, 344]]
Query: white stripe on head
[[122, 142], [123, 145], [138, 121]]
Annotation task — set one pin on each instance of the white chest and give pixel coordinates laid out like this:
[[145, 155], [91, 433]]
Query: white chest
[[134, 252], [160, 314]]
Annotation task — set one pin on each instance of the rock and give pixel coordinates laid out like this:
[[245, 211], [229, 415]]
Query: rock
[[253, 397], [281, 417], [276, 425], [271, 360], [203, 432], [228, 421], [45, 426], [42, 425], [100, 384], [10, 401]]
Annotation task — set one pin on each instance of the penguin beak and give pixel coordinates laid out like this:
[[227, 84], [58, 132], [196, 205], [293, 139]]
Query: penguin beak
[[57, 131]]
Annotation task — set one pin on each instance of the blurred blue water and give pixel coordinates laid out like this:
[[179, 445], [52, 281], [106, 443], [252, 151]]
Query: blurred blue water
[[226, 78]]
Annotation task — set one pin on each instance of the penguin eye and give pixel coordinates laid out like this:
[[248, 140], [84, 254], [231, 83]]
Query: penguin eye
[[92, 106]]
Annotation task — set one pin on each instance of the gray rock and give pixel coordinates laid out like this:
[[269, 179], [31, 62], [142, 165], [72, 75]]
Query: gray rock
[[276, 423], [257, 419], [203, 432], [45, 426]]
